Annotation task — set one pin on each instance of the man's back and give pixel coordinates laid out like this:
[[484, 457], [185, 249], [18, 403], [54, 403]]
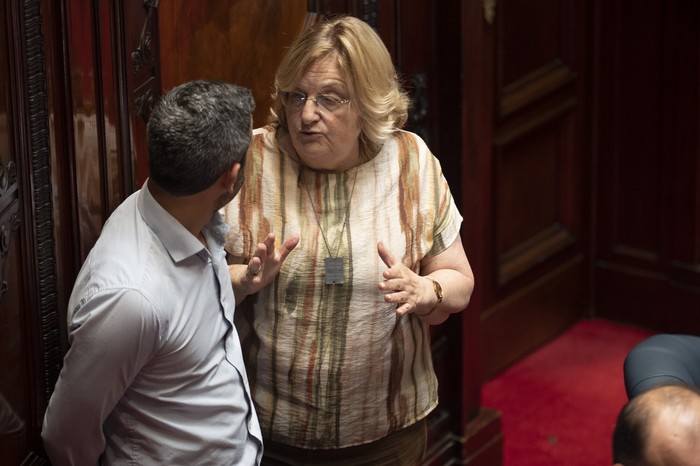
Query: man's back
[[158, 310]]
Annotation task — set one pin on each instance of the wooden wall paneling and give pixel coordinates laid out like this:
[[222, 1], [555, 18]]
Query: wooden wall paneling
[[532, 183], [476, 115], [87, 100], [14, 390], [109, 113], [91, 170], [682, 121], [113, 68], [141, 89], [477, 62], [240, 42], [63, 167], [630, 136], [383, 16], [648, 204], [685, 138], [29, 347]]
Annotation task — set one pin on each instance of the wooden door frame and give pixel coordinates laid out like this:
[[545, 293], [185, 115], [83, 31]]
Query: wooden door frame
[[29, 183]]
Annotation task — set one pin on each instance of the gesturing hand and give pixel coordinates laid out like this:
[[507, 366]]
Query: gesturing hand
[[408, 290], [262, 268]]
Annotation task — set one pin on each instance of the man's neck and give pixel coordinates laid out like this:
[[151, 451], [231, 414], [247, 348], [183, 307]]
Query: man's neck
[[191, 211]]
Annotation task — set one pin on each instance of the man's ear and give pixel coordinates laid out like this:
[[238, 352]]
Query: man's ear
[[230, 176]]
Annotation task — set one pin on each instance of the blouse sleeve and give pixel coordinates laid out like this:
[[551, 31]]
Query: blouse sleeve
[[448, 220]]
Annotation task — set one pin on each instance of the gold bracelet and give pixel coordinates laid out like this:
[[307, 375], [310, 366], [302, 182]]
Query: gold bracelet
[[438, 293]]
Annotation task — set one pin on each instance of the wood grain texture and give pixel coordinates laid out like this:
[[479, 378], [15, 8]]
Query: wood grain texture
[[235, 41]]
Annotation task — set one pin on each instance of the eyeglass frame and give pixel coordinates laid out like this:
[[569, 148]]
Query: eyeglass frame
[[284, 96]]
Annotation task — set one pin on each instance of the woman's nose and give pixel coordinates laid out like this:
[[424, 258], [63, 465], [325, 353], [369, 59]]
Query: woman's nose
[[309, 111]]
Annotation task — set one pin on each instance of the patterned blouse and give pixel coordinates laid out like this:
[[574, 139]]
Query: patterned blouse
[[330, 365]]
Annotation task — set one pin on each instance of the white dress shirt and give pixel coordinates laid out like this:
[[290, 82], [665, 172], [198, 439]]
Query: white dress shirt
[[154, 374]]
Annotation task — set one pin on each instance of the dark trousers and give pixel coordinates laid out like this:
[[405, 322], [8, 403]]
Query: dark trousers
[[405, 447]]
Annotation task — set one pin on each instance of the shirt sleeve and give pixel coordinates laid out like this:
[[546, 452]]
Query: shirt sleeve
[[113, 335]]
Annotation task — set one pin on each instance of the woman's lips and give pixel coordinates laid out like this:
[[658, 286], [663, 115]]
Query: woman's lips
[[308, 134]]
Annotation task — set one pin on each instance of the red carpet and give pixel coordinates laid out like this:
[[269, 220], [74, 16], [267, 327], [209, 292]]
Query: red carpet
[[559, 404]]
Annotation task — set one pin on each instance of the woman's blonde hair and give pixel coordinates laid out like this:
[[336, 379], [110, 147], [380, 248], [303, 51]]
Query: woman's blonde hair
[[372, 80]]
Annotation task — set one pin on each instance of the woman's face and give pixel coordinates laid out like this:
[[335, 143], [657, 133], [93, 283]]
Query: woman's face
[[325, 139]]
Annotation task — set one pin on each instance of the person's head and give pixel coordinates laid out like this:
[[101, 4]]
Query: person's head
[[660, 427], [344, 64], [198, 131]]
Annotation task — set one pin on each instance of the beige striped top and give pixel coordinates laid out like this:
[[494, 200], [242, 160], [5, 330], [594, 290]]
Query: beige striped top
[[331, 365]]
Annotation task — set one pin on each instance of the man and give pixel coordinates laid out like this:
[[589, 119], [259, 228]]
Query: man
[[154, 373], [660, 427]]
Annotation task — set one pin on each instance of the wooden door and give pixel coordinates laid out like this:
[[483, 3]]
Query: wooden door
[[525, 176], [647, 96]]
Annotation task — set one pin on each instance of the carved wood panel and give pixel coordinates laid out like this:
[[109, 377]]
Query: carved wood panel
[[29, 343], [69, 137]]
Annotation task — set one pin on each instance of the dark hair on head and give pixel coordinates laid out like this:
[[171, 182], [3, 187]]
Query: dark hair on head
[[197, 131]]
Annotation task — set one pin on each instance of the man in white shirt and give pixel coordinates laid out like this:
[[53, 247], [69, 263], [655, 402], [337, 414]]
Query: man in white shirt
[[154, 374]]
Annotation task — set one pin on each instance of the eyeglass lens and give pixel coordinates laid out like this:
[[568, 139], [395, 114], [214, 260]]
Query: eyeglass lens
[[297, 100]]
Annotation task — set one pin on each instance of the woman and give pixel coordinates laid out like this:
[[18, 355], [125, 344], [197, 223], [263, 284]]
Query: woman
[[337, 342]]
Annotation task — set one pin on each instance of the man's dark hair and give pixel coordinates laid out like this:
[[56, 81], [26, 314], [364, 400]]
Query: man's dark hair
[[197, 131]]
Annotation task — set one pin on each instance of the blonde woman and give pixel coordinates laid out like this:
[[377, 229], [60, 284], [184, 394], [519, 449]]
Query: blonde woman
[[336, 338]]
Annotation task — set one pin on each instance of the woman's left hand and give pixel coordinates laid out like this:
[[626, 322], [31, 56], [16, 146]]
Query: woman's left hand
[[408, 290]]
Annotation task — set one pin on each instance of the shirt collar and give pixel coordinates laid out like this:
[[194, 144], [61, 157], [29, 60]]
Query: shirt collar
[[176, 239]]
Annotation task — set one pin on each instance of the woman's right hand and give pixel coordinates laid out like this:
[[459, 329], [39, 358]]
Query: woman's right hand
[[262, 268]]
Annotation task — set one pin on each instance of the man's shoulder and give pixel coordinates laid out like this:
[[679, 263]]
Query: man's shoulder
[[122, 255]]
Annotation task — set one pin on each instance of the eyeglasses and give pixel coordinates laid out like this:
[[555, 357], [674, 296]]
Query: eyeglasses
[[296, 100]]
